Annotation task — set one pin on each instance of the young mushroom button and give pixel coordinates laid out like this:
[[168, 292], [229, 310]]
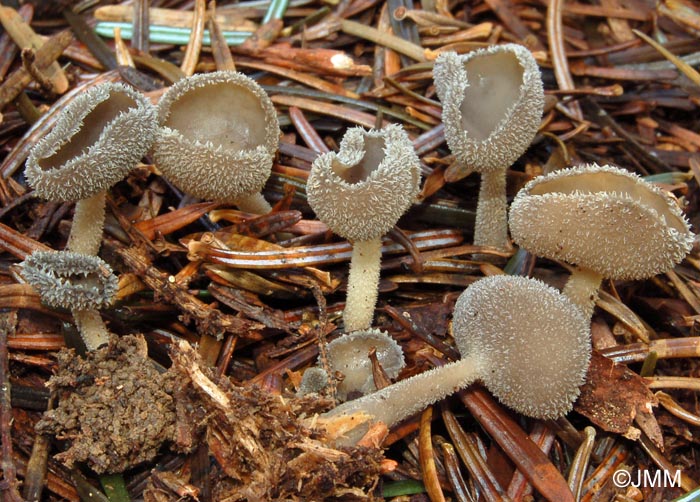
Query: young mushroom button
[[218, 137], [492, 102], [360, 193], [528, 344], [607, 221]]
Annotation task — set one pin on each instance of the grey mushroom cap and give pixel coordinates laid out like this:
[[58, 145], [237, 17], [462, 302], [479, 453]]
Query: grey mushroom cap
[[98, 138], [492, 102], [348, 354], [69, 280], [361, 191], [532, 343], [602, 218], [218, 136]]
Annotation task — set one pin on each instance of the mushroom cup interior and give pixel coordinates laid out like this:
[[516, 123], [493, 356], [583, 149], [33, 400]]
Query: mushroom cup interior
[[373, 156], [495, 83], [93, 125], [225, 114], [599, 182]]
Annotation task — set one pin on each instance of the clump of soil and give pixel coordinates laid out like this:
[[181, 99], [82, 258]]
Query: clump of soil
[[263, 450], [113, 405]]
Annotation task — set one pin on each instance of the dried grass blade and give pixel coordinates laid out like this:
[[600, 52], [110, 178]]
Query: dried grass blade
[[555, 35], [141, 22], [219, 47], [194, 46], [46, 54], [625, 315], [309, 256], [525, 454], [427, 460], [87, 35], [392, 42], [25, 38], [18, 244], [329, 109], [226, 19], [165, 224], [490, 490], [684, 67], [306, 131], [304, 78]]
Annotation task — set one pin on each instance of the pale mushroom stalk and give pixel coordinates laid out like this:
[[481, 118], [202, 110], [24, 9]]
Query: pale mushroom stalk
[[360, 192], [528, 344], [492, 101], [92, 327], [98, 138], [88, 220], [491, 224], [363, 284], [582, 288]]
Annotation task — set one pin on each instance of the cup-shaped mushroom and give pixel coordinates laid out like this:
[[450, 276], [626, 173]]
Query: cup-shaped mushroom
[[492, 101], [605, 220], [360, 192], [528, 343], [75, 281], [98, 138], [218, 137], [349, 355]]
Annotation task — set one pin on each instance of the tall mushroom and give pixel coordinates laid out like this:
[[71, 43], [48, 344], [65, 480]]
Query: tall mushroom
[[528, 343], [492, 101], [218, 137], [360, 193], [98, 138], [603, 219]]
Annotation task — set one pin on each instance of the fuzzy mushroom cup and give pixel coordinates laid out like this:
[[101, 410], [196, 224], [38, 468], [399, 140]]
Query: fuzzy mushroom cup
[[492, 102], [77, 282], [218, 137], [526, 342], [98, 138], [605, 220], [361, 192]]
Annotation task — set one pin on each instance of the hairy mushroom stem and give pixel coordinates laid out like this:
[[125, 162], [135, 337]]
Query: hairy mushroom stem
[[92, 328], [88, 221], [491, 225], [402, 399], [363, 283], [582, 289]]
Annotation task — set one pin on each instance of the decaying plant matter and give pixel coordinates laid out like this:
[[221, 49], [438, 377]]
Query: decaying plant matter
[[232, 390]]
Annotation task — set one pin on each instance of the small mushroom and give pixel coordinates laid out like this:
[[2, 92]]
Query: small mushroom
[[360, 193], [348, 355], [528, 344], [218, 137], [492, 102], [98, 138], [74, 281], [603, 219], [314, 380]]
